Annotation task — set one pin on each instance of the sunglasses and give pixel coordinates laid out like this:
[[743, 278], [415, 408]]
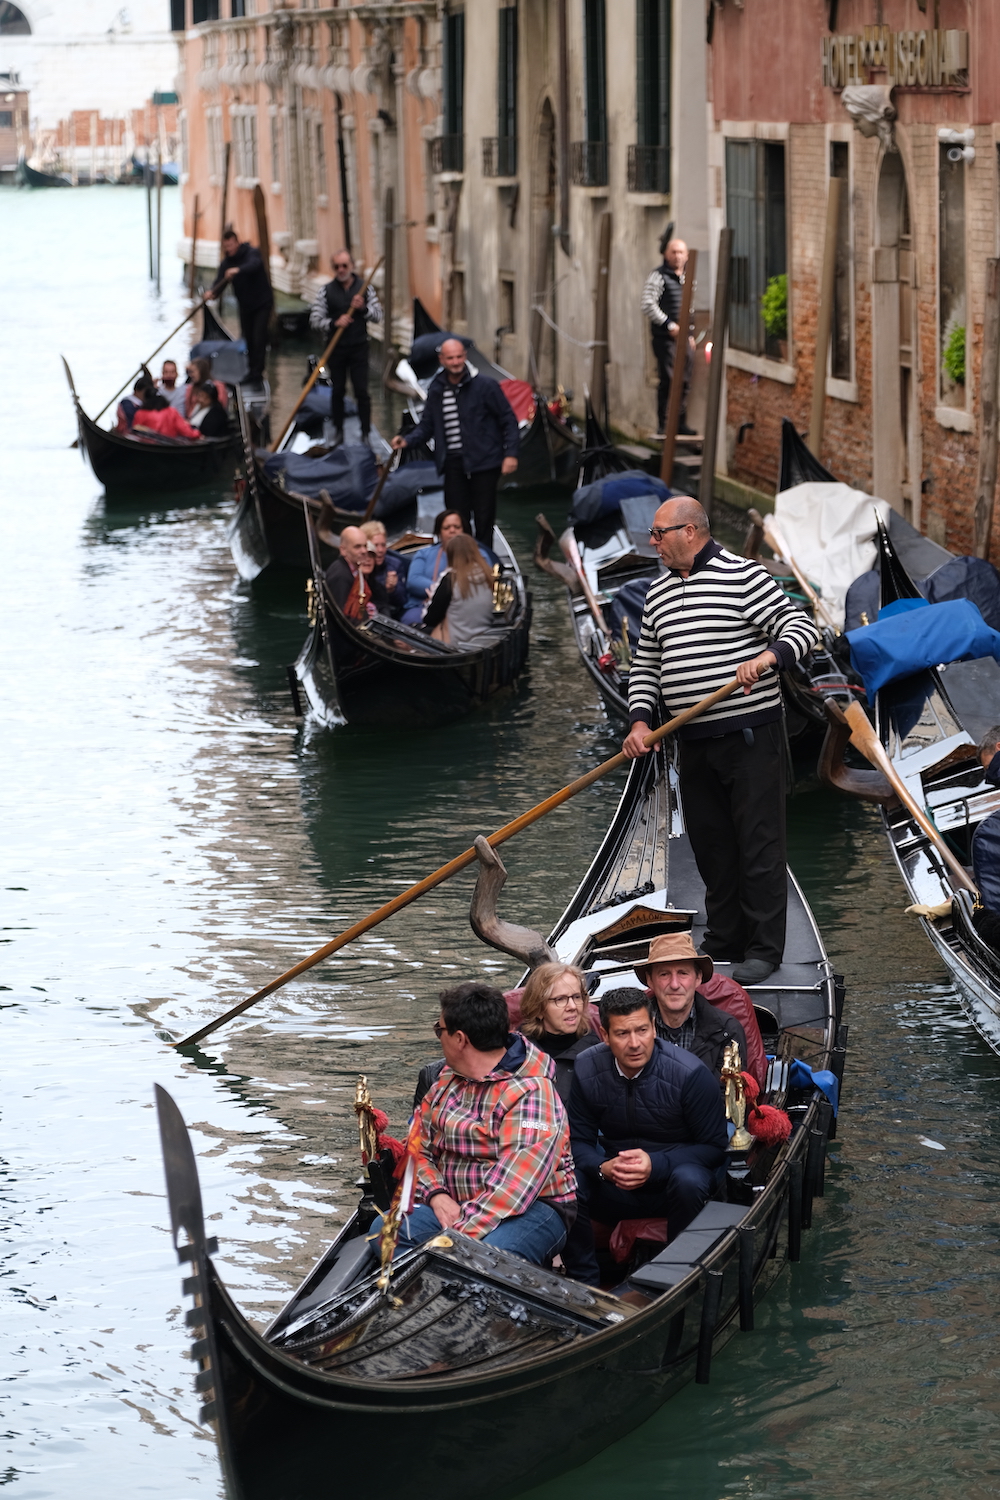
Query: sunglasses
[[656, 532], [439, 1029]]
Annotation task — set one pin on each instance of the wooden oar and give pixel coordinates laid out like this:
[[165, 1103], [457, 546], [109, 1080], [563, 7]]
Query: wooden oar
[[776, 541], [386, 471], [571, 552], [198, 306], [864, 738], [321, 362], [459, 863]]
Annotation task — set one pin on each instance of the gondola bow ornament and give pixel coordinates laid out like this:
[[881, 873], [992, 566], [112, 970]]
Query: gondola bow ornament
[[402, 1202]]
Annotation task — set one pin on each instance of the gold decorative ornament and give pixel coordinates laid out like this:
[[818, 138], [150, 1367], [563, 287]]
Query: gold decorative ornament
[[736, 1097]]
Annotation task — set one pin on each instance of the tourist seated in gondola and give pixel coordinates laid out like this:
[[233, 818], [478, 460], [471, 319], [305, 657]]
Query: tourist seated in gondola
[[648, 1129], [427, 566], [351, 578], [156, 419], [390, 567], [461, 609], [129, 405], [673, 971], [169, 387], [986, 851], [208, 415], [494, 1139], [198, 371]]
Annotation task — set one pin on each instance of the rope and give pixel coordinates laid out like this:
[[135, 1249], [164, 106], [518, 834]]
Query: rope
[[580, 344]]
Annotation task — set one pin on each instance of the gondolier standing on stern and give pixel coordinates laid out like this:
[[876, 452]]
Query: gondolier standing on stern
[[244, 267], [712, 617], [344, 303]]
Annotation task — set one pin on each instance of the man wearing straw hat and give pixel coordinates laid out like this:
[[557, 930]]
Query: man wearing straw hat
[[673, 971]]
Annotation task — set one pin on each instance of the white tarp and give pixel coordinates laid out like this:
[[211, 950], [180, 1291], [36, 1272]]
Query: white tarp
[[830, 530]]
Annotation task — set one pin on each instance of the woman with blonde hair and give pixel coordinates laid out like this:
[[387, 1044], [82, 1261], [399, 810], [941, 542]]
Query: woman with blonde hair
[[390, 567], [555, 1015], [461, 609]]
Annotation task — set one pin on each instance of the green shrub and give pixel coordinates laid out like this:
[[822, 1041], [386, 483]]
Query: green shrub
[[774, 307], [953, 358]]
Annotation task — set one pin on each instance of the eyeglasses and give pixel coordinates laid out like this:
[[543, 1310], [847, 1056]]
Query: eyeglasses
[[342, 265], [439, 1029], [656, 532], [563, 1000]]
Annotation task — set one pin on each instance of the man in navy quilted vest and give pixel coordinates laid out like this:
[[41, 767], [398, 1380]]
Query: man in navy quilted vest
[[647, 1128]]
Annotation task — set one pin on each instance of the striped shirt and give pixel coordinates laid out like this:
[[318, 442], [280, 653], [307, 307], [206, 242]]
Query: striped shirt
[[449, 410], [697, 630], [319, 313], [497, 1145]]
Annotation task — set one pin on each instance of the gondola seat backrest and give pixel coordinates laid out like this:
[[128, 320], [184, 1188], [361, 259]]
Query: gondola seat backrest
[[731, 997]]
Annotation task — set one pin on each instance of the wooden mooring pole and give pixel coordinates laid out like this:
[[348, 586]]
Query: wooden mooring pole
[[716, 370], [986, 476], [824, 319]]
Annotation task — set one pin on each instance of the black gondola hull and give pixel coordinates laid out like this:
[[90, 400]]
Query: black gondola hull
[[126, 465]]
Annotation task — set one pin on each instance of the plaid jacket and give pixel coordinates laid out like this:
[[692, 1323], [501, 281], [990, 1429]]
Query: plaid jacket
[[498, 1145]]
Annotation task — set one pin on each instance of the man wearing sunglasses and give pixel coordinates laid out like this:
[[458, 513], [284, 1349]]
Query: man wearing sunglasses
[[710, 617], [341, 305]]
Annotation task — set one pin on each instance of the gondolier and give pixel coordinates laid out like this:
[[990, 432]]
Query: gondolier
[[344, 303], [475, 438], [661, 304], [244, 267], [715, 616]]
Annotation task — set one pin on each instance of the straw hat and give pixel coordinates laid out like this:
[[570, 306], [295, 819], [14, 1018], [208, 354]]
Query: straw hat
[[674, 947]]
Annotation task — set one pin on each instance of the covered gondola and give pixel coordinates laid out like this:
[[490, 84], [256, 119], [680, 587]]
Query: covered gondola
[[549, 448], [476, 1364], [130, 464], [386, 674], [929, 724]]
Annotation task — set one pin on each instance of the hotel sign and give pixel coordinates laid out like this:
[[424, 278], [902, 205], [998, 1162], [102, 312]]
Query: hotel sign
[[909, 59]]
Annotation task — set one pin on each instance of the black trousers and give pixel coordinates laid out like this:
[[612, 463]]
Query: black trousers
[[254, 326], [734, 809], [354, 362], [665, 350], [473, 496]]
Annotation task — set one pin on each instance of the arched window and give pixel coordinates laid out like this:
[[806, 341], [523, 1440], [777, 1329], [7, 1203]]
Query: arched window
[[13, 22]]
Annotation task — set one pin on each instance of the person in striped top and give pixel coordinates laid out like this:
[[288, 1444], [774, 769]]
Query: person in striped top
[[710, 617]]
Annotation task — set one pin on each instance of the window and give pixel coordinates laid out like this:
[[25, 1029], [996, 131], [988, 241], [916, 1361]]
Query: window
[[6, 119], [205, 10], [506, 308], [841, 362], [449, 155], [177, 21], [322, 187], [755, 210], [649, 158], [239, 8], [244, 125], [216, 157], [507, 93], [590, 157], [951, 277]]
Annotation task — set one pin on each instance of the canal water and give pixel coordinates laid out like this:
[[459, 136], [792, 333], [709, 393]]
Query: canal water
[[171, 840]]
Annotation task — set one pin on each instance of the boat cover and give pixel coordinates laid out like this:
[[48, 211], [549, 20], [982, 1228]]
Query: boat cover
[[423, 355], [911, 635], [628, 604], [404, 485], [522, 399], [603, 497], [967, 578], [830, 530], [348, 474], [317, 404]]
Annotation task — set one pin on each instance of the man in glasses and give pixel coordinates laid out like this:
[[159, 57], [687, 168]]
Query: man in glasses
[[494, 1141], [341, 305], [710, 617]]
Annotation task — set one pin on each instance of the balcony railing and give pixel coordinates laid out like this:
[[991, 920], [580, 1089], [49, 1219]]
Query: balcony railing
[[499, 155], [588, 163], [649, 169], [448, 154]]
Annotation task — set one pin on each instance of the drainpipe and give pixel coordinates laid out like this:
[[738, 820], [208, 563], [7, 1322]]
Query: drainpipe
[[563, 129]]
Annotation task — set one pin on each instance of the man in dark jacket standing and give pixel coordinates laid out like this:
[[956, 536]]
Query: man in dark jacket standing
[[475, 438], [647, 1128], [343, 303], [661, 304], [243, 265], [673, 971]]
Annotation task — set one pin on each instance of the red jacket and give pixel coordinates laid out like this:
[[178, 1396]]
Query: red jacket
[[166, 423]]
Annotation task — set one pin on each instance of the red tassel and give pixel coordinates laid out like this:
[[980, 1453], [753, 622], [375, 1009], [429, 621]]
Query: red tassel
[[750, 1087], [768, 1125]]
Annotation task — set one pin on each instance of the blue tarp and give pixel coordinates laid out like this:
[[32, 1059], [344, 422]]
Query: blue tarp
[[317, 404], [404, 485], [967, 578], [605, 496], [348, 474], [802, 1076], [919, 636]]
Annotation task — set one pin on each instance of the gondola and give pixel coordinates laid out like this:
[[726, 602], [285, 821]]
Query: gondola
[[930, 724], [549, 448], [140, 466], [385, 674], [32, 177], [498, 1373]]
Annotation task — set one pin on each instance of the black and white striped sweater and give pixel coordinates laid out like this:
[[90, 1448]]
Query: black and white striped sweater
[[697, 630]]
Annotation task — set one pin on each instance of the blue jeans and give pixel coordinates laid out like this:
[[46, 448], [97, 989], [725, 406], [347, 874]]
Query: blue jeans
[[535, 1235]]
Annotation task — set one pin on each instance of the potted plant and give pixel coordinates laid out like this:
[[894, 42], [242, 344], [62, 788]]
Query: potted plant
[[953, 357], [774, 311]]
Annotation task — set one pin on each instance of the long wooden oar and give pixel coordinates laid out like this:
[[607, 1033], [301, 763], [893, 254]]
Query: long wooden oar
[[571, 552], [864, 738], [197, 307], [459, 863], [386, 471], [776, 541], [321, 362]]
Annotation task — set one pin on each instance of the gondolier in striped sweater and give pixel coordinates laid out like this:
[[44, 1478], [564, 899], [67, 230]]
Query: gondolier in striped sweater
[[714, 616]]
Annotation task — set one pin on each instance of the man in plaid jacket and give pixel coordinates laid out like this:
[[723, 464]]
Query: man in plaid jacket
[[494, 1143]]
